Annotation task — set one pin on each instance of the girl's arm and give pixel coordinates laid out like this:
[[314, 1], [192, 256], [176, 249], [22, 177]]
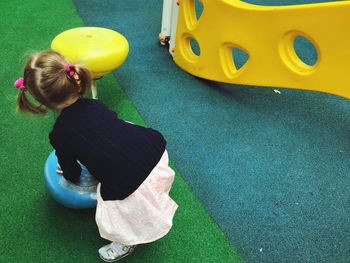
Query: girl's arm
[[69, 165]]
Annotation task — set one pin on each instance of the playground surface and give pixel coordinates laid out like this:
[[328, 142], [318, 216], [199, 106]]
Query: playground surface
[[262, 176]]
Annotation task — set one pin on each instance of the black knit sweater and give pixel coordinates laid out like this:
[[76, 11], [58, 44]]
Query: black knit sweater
[[118, 154]]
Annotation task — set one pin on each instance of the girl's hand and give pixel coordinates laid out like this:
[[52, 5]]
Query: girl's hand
[[59, 169]]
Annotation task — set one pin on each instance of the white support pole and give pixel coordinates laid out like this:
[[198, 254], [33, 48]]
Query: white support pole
[[174, 15], [94, 90], [166, 21]]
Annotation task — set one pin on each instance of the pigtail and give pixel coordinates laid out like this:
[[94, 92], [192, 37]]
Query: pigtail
[[25, 105], [84, 77]]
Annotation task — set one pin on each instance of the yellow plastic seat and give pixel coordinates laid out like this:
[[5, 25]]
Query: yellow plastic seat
[[101, 50]]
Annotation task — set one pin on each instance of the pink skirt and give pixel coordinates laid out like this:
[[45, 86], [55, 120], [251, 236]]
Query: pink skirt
[[144, 216]]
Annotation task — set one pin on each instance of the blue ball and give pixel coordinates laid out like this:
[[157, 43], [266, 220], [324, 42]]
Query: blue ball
[[79, 195]]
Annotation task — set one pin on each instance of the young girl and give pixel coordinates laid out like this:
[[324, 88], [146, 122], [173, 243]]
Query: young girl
[[129, 161]]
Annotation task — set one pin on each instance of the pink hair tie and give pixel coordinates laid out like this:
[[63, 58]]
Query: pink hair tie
[[19, 84], [68, 68]]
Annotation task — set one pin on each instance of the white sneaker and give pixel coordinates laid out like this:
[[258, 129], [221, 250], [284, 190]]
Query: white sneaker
[[115, 251]]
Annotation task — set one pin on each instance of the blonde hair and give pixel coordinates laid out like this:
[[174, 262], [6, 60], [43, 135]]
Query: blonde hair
[[47, 80]]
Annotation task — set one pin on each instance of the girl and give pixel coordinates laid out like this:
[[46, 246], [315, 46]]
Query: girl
[[129, 161]]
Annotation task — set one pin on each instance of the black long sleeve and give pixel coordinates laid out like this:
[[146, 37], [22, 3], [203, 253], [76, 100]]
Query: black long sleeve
[[69, 165], [118, 154]]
